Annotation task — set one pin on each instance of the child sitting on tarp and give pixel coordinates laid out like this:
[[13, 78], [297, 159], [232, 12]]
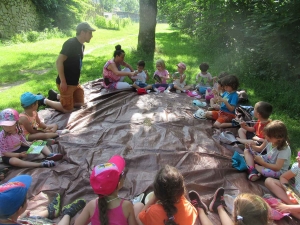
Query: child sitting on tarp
[[204, 78], [178, 79]]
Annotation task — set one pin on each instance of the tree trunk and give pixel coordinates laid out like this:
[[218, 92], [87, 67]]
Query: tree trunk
[[146, 39]]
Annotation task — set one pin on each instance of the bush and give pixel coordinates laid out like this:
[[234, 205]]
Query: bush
[[32, 36], [115, 23], [19, 38], [100, 22]]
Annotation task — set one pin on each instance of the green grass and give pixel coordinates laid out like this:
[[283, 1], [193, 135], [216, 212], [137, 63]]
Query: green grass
[[23, 63]]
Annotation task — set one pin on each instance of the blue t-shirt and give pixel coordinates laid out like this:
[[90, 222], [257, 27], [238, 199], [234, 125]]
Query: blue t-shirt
[[232, 99]]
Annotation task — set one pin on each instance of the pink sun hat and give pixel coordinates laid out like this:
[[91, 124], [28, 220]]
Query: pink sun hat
[[181, 65], [8, 117], [105, 177]]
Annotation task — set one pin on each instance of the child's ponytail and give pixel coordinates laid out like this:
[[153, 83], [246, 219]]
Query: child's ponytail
[[102, 205], [168, 189]]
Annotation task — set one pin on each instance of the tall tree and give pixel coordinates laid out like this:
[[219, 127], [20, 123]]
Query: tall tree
[[146, 38]]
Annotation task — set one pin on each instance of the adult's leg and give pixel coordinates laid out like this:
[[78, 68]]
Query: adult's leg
[[78, 97], [57, 106], [122, 85]]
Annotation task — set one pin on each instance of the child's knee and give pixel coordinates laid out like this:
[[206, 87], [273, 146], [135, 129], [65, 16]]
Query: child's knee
[[14, 161], [217, 124], [269, 182]]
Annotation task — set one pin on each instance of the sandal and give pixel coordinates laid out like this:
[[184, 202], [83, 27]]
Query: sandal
[[3, 173]]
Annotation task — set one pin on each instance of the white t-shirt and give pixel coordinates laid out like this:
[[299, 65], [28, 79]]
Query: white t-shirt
[[204, 78], [273, 154], [140, 77], [296, 170]]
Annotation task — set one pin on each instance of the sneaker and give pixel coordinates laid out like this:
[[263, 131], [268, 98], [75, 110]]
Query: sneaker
[[138, 198], [54, 157], [196, 201], [167, 91], [73, 208], [54, 207], [217, 200], [64, 131], [235, 123], [52, 95], [156, 91], [48, 163], [254, 176]]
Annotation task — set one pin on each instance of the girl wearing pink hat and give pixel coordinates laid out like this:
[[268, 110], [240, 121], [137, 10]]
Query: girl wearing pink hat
[[106, 180], [13, 145]]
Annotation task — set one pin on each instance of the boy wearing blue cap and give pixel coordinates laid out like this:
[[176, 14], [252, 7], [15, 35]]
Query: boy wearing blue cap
[[33, 127], [13, 203]]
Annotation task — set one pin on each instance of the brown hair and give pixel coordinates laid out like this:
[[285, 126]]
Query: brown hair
[[204, 67], [277, 129], [264, 109], [250, 209], [168, 188], [231, 81]]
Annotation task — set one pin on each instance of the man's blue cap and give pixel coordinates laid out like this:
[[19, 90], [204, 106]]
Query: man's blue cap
[[28, 99], [13, 194]]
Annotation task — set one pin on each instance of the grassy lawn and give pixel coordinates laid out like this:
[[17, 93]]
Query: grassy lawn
[[32, 67]]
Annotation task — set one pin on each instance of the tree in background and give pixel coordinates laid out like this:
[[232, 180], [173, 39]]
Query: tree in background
[[63, 14], [146, 38], [129, 5]]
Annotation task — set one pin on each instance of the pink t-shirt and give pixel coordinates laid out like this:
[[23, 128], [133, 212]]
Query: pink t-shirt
[[163, 75], [109, 74], [10, 143], [115, 216]]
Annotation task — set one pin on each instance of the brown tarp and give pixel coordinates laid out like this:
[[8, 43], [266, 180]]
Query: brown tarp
[[149, 131]]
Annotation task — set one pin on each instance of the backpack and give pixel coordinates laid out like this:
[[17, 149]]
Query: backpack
[[244, 114], [243, 96]]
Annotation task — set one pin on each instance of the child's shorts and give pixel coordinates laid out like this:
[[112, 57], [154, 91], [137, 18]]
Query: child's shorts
[[21, 149], [222, 117], [141, 84]]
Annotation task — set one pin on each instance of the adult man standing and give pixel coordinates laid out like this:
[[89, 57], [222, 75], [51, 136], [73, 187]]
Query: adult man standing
[[68, 64]]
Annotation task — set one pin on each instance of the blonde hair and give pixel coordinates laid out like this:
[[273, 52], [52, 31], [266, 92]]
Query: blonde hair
[[161, 63], [250, 209]]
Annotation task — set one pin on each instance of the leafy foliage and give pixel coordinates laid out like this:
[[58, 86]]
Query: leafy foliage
[[115, 23], [61, 13]]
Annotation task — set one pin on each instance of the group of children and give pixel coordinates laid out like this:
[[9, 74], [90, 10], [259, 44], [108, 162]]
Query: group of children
[[168, 204]]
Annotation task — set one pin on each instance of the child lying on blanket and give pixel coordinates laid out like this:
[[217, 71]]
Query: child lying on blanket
[[13, 204], [290, 204], [32, 126]]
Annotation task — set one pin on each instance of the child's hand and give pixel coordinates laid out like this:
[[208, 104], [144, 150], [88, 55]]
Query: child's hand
[[22, 155], [258, 159], [243, 124]]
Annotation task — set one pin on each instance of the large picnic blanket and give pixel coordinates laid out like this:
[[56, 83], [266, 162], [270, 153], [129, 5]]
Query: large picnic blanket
[[148, 131]]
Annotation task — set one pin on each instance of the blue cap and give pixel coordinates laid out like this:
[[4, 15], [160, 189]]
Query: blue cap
[[28, 99], [13, 194]]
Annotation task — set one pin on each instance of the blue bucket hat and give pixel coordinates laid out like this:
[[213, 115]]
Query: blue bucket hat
[[13, 194], [28, 99]]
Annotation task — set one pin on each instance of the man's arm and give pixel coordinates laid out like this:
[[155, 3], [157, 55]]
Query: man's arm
[[60, 69]]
